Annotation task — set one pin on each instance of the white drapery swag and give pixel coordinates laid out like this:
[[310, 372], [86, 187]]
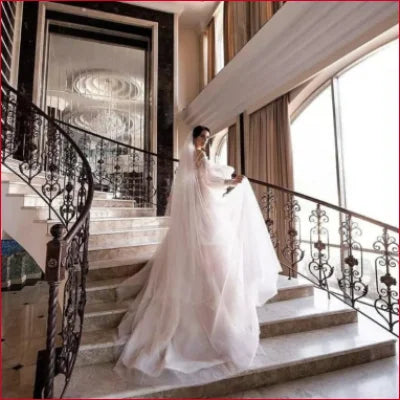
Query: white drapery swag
[[194, 316]]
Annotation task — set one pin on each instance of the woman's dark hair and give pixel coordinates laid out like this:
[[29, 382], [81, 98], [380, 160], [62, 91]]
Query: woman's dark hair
[[197, 131]]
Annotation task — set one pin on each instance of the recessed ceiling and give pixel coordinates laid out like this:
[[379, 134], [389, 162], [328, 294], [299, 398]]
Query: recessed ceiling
[[194, 14]]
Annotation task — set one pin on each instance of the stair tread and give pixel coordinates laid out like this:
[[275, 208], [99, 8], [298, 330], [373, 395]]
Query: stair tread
[[104, 284], [37, 196], [117, 262], [99, 208], [106, 219], [287, 310], [93, 248], [298, 348], [111, 283], [133, 229], [18, 181], [302, 307], [97, 309]]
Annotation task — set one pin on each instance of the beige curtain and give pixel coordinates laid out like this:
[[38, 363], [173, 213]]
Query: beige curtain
[[236, 27], [268, 155], [242, 20], [259, 13], [210, 50]]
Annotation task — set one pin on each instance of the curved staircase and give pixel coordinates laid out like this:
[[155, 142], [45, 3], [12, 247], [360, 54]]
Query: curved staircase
[[302, 333]]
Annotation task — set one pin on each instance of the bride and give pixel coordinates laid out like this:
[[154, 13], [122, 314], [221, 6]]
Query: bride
[[192, 308]]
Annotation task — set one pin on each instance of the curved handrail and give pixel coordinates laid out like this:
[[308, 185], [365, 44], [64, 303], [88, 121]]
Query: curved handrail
[[351, 268], [47, 148], [88, 203], [326, 204], [259, 182], [116, 142]]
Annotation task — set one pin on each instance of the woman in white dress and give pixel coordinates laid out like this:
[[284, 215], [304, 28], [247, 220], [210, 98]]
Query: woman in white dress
[[192, 315]]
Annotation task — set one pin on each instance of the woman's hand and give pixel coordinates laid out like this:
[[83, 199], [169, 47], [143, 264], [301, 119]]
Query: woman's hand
[[237, 179]]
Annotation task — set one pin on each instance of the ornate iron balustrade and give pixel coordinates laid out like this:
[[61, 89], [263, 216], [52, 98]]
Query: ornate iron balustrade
[[359, 269], [336, 266], [36, 149], [125, 171]]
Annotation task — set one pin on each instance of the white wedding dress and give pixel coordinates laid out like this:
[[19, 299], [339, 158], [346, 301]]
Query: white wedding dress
[[192, 311]]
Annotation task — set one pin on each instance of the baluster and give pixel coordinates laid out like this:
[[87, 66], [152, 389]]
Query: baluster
[[51, 158], [352, 276], [100, 162], [268, 208], [55, 273], [387, 302], [292, 251], [320, 258], [67, 208], [117, 174]]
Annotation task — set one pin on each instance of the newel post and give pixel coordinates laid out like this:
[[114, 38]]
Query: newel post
[[54, 274]]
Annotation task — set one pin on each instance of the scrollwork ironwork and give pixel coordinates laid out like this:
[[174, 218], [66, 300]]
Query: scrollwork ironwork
[[351, 283], [387, 303], [46, 158], [292, 250], [319, 265]]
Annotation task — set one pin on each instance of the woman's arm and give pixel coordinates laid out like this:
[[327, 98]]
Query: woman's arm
[[210, 178]]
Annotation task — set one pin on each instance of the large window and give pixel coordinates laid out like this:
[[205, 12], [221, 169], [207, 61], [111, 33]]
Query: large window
[[354, 150]]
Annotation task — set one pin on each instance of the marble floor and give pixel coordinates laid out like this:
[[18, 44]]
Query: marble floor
[[23, 335]]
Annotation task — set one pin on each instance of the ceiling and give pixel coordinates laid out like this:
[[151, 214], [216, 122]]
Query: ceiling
[[194, 14]]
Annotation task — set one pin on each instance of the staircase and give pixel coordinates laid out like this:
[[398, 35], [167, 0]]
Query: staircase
[[302, 332]]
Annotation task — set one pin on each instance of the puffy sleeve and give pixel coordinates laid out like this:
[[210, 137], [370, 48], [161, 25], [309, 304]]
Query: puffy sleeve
[[208, 175]]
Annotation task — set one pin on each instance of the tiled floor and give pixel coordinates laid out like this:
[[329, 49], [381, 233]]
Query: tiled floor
[[24, 316], [23, 334]]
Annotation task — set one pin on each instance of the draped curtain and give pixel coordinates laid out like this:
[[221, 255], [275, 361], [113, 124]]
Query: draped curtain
[[210, 50], [268, 155], [259, 13], [242, 20], [236, 31]]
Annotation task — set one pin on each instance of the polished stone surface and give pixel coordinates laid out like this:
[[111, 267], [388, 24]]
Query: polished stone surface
[[24, 316], [374, 380], [23, 327]]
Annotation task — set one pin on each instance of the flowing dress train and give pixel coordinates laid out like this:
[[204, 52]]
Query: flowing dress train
[[192, 314]]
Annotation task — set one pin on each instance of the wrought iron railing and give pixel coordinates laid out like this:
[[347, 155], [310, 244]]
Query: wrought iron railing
[[71, 162], [360, 270], [36, 149], [125, 171], [336, 257]]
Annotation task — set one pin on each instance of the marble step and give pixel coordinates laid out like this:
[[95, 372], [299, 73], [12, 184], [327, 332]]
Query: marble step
[[98, 346], [285, 358], [104, 291], [125, 224], [127, 238], [279, 318], [103, 316], [133, 237], [33, 200], [20, 187], [106, 225], [122, 252], [115, 268], [42, 213]]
